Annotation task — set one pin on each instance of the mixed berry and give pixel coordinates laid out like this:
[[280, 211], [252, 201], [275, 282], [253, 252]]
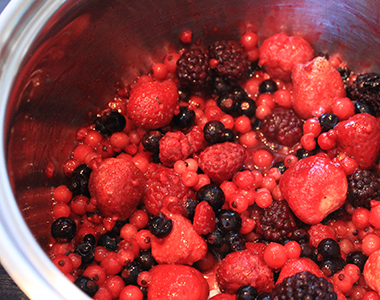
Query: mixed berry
[[230, 171]]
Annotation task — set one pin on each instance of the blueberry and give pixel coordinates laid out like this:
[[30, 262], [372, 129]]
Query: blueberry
[[267, 87], [228, 220], [146, 260], [190, 204], [300, 235], [308, 251], [130, 273], [214, 132], [150, 140], [78, 182], [87, 285], [234, 241], [357, 258], [330, 266], [227, 103], [246, 292], [184, 119], [246, 107], [86, 251], [89, 238], [239, 93], [213, 194], [229, 136], [109, 241], [329, 248], [63, 230], [215, 239], [361, 107], [222, 85], [110, 123], [160, 227], [328, 121]]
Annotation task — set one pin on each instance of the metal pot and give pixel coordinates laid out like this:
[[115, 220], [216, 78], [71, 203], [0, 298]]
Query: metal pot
[[60, 60]]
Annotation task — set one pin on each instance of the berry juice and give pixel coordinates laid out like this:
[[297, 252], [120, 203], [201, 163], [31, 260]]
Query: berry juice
[[232, 171]]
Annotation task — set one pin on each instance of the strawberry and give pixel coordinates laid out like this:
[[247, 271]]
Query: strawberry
[[117, 186], [279, 53], [177, 282], [244, 268], [204, 218], [316, 85], [314, 187], [372, 270], [152, 104], [221, 161], [164, 187], [359, 137], [182, 246]]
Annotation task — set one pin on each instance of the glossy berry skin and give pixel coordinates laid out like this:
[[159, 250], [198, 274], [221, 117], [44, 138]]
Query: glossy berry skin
[[328, 121], [329, 248], [267, 87], [110, 123], [63, 230], [246, 292], [86, 252], [227, 102], [330, 266], [361, 107], [146, 260], [246, 107], [130, 273], [87, 285], [228, 220], [357, 258], [78, 182], [214, 132], [215, 238], [234, 242], [213, 194], [150, 140], [160, 227], [109, 241], [184, 119], [229, 136]]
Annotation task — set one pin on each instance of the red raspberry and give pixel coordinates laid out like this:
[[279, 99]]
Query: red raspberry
[[204, 218], [319, 232], [244, 268], [117, 185], [152, 104], [221, 161], [173, 146], [196, 139], [283, 126], [279, 53], [164, 185]]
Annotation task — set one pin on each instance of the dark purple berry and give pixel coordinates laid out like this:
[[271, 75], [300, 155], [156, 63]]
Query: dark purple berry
[[228, 220], [246, 107], [109, 241], [267, 87], [160, 227], [87, 285], [130, 273], [214, 132], [229, 136], [357, 258], [329, 248], [146, 260], [63, 230], [78, 182], [212, 194], [227, 102], [150, 140], [215, 239], [184, 119], [363, 186], [328, 121], [246, 292]]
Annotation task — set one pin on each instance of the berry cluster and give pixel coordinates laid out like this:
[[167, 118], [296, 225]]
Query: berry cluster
[[256, 168]]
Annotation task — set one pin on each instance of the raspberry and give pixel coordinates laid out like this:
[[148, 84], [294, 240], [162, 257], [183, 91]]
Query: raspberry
[[304, 285], [162, 183], [277, 221], [233, 63], [173, 146], [366, 89], [196, 139], [283, 126], [204, 218], [221, 161], [363, 186], [193, 68]]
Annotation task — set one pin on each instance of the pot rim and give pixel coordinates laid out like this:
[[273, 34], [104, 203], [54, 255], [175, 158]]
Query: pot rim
[[20, 254]]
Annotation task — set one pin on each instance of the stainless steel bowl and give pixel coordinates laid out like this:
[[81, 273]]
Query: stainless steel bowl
[[59, 61]]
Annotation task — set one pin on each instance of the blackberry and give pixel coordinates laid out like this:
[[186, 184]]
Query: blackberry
[[304, 285], [363, 186], [328, 121], [232, 61], [109, 241], [87, 285], [193, 69], [63, 230], [357, 258], [78, 182], [344, 72], [150, 140], [366, 89], [282, 126], [228, 220], [246, 292], [212, 194], [267, 87], [361, 107], [277, 221], [160, 227], [214, 132], [184, 119]]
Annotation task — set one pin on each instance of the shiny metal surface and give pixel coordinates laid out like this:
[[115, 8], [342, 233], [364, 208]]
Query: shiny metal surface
[[60, 60]]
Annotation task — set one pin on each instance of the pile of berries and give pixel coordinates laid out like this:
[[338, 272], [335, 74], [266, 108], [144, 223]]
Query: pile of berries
[[232, 171]]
